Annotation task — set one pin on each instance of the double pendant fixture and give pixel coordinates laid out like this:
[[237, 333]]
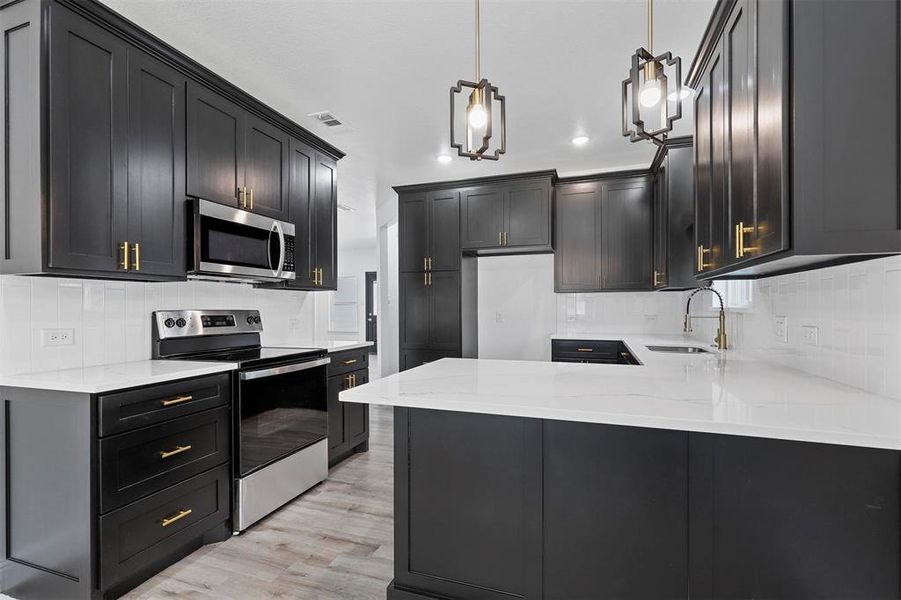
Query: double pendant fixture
[[649, 105]]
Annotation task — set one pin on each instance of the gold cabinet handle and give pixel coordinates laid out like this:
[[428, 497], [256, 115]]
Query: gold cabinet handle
[[175, 451], [430, 278], [425, 279], [176, 517], [425, 263], [584, 350], [124, 247], [500, 238], [350, 361], [242, 197], [348, 385], [505, 238], [137, 249], [430, 263], [740, 248], [701, 252], [251, 198], [320, 275], [354, 379], [177, 400]]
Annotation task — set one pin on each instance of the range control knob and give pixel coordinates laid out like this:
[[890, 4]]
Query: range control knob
[[256, 320], [250, 320], [181, 322], [170, 322]]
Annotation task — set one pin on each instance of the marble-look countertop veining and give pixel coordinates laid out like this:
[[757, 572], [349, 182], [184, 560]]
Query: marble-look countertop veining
[[106, 378], [727, 393]]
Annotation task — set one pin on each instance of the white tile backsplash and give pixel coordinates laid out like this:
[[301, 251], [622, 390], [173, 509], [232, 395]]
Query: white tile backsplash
[[111, 319], [855, 308], [636, 312]]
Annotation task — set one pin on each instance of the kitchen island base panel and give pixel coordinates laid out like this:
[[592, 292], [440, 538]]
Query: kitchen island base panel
[[490, 506]]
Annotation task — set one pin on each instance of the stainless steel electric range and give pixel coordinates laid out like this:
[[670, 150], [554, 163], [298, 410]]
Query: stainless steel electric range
[[280, 399]]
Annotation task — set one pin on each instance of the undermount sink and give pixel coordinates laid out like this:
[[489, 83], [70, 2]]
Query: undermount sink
[[679, 349]]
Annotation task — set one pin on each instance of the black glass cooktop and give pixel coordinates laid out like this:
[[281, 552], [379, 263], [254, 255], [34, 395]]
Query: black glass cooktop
[[249, 357]]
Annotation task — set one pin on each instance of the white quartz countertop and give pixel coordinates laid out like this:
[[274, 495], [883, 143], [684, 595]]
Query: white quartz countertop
[[339, 345], [727, 393], [106, 378]]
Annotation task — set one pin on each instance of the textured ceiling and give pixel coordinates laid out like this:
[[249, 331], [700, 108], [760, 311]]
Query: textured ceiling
[[385, 67]]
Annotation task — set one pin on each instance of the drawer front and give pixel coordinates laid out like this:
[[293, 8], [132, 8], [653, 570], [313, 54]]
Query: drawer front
[[158, 527], [588, 350], [138, 463], [347, 361], [124, 411], [410, 359]]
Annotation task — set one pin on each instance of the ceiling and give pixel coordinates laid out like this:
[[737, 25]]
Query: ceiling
[[384, 68]]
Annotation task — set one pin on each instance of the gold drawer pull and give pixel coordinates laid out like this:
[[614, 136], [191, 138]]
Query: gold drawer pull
[[177, 400], [177, 450], [350, 362], [176, 517], [584, 350]]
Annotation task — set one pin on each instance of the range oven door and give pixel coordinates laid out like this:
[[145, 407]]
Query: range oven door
[[281, 410], [230, 243]]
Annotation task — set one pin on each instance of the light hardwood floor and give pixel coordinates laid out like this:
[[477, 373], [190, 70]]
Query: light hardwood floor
[[334, 542]]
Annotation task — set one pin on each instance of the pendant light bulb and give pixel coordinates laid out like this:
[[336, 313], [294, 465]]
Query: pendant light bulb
[[477, 116], [650, 93]]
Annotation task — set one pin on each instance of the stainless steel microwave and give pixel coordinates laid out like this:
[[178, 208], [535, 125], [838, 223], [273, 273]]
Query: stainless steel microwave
[[229, 243]]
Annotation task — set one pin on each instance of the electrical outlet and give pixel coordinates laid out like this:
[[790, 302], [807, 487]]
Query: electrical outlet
[[57, 337], [810, 335], [650, 318], [498, 317], [781, 328]]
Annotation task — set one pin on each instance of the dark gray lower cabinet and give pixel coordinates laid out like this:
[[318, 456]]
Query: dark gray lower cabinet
[[489, 507], [348, 424], [411, 358], [104, 491]]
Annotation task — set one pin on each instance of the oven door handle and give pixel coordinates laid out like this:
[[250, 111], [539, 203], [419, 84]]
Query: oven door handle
[[273, 371]]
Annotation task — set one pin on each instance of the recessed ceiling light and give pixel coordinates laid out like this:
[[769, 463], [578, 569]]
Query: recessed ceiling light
[[683, 94], [443, 158], [580, 140]]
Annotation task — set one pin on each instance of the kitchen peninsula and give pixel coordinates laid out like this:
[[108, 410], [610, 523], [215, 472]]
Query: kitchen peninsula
[[701, 475]]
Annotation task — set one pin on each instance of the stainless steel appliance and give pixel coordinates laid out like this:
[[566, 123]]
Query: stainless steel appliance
[[229, 243], [280, 412]]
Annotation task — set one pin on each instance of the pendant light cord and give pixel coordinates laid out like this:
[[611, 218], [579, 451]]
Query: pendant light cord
[[478, 43], [650, 26]]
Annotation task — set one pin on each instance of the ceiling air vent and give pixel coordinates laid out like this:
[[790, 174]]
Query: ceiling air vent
[[326, 118]]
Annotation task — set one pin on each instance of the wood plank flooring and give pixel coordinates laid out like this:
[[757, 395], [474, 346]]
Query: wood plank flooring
[[334, 542]]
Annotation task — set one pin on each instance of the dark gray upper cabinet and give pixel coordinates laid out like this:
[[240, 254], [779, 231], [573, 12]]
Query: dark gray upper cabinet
[[604, 234], [509, 217], [760, 86], [675, 256], [156, 165], [266, 175], [88, 146], [215, 146], [576, 267], [429, 225], [108, 130], [325, 222], [301, 182]]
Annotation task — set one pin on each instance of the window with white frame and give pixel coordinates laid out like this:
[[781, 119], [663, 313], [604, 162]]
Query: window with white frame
[[736, 294]]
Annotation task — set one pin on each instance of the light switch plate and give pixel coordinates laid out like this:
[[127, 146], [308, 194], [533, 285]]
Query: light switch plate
[[810, 335], [57, 337], [498, 317], [781, 328]]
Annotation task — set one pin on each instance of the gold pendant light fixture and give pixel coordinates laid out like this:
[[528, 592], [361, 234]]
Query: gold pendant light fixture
[[649, 105], [480, 114]]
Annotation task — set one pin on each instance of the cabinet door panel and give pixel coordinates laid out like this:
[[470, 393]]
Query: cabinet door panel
[[337, 441], [156, 164], [356, 416], [626, 235], [300, 193], [215, 146], [575, 261], [267, 168], [528, 215], [719, 246], [680, 219], [444, 231], [740, 125], [414, 310], [596, 541], [444, 317], [325, 209], [661, 235], [88, 156], [410, 359], [482, 217], [703, 169], [413, 219]]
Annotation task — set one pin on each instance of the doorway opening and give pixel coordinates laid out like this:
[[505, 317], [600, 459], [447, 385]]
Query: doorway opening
[[372, 317]]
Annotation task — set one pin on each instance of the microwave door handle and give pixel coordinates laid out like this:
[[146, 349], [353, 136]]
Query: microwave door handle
[[277, 228], [271, 372]]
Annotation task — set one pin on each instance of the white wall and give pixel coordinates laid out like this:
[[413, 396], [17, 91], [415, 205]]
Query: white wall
[[517, 307], [521, 289], [855, 308], [388, 324], [352, 262], [111, 320]]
